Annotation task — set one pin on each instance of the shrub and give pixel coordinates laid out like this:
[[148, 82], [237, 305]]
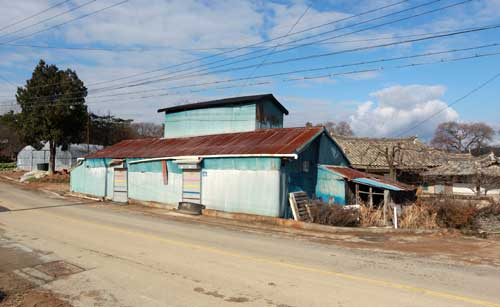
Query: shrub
[[418, 215], [451, 214], [370, 217], [7, 166], [334, 215]]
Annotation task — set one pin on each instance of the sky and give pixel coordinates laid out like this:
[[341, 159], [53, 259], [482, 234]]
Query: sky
[[139, 56]]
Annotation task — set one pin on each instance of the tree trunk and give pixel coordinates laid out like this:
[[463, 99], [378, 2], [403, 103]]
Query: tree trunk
[[52, 157]]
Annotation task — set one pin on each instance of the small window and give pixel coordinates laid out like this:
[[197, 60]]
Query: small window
[[305, 166]]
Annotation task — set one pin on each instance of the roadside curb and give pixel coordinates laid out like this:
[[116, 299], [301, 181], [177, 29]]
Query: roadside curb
[[289, 223], [267, 220]]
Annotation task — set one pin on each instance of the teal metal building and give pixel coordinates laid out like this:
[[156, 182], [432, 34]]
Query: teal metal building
[[232, 155]]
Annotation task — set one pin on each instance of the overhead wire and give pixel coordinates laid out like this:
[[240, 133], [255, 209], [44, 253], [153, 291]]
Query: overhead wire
[[343, 19], [322, 68], [329, 75], [278, 45], [258, 43], [47, 19], [64, 23], [33, 16], [465, 96], [169, 76]]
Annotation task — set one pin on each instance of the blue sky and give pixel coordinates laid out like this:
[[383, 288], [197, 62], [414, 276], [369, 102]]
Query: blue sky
[[147, 35]]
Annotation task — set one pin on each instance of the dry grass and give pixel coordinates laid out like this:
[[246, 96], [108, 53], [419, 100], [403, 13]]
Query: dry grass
[[370, 217], [334, 215], [418, 216]]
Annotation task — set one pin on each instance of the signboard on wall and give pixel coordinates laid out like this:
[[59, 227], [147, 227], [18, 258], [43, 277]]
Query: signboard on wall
[[189, 166]]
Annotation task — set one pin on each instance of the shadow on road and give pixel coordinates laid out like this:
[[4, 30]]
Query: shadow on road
[[4, 209]]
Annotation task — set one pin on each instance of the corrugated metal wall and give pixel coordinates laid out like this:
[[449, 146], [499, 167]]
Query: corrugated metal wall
[[245, 185], [215, 120], [330, 185], [90, 178], [146, 182]]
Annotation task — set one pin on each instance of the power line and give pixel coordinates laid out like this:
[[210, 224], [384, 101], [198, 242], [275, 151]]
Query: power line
[[427, 54], [256, 44], [66, 22], [74, 48], [289, 31], [329, 75], [284, 61], [34, 15], [474, 90], [305, 44], [335, 21], [47, 19], [430, 35], [8, 81]]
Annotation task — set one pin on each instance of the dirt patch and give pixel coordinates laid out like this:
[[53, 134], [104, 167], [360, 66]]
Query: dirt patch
[[15, 291], [58, 268]]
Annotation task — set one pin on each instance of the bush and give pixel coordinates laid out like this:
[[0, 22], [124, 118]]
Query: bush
[[370, 217], [451, 214], [488, 218], [418, 215], [7, 166], [334, 215]]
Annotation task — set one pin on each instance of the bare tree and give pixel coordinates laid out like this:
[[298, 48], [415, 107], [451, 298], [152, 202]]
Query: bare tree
[[462, 137], [147, 130], [341, 128]]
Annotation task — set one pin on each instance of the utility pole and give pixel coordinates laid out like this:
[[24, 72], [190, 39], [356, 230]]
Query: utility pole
[[88, 133]]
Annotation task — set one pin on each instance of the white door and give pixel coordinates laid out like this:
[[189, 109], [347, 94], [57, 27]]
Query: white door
[[120, 185], [191, 185]]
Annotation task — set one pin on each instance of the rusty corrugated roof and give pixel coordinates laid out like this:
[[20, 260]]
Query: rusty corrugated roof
[[270, 141], [347, 172], [351, 174]]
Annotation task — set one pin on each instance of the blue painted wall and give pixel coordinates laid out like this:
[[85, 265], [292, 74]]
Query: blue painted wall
[[330, 186], [145, 182], [224, 119], [90, 177]]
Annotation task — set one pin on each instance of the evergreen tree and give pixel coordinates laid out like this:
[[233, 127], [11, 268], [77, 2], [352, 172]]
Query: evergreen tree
[[53, 109]]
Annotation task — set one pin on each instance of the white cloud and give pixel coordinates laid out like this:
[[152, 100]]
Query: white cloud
[[399, 108]]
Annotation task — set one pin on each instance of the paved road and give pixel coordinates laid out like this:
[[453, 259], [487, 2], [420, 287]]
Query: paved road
[[130, 259]]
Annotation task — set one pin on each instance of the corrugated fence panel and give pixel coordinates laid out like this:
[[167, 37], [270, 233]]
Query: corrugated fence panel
[[149, 186], [88, 180], [245, 191]]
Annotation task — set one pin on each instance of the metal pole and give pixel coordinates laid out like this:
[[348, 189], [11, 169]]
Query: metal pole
[[386, 202], [395, 218]]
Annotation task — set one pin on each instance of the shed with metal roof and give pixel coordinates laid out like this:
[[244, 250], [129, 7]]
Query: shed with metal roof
[[248, 172]]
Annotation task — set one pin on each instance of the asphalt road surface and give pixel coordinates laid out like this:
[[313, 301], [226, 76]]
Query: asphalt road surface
[[130, 259]]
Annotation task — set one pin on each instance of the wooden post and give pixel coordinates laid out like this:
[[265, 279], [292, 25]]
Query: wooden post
[[370, 197], [356, 188], [386, 203]]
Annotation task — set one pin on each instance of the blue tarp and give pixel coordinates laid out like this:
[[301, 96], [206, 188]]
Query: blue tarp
[[376, 184]]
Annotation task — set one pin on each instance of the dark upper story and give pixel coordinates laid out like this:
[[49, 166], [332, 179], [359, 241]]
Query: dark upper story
[[236, 114]]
